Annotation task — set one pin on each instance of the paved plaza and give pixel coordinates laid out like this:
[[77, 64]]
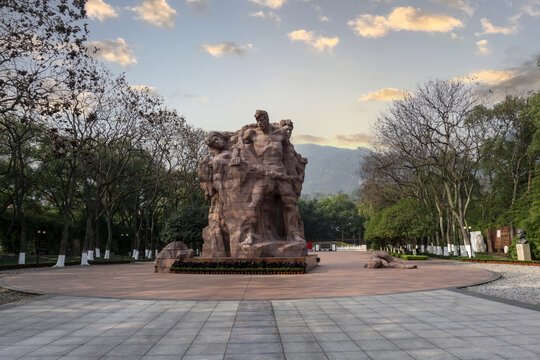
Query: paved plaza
[[424, 324]]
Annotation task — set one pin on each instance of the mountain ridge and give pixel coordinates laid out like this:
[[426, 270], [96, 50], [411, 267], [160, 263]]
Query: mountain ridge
[[331, 170]]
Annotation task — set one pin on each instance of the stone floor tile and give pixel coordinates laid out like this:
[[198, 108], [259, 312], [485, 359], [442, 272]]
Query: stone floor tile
[[512, 351], [250, 330], [15, 351], [249, 338], [211, 339], [207, 349], [294, 330], [335, 346], [389, 355], [171, 339], [53, 350], [202, 357], [449, 342], [253, 348], [337, 336], [398, 335], [431, 354], [471, 352], [376, 345], [347, 355], [431, 333], [255, 357], [37, 340], [130, 349], [306, 356], [168, 349], [324, 328], [302, 347], [412, 344]]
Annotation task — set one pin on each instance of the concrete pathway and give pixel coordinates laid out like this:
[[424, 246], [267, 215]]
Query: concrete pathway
[[439, 324]]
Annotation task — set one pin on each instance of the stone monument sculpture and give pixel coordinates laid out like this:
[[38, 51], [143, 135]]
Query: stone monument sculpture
[[170, 254], [522, 237], [253, 178], [522, 246], [381, 259], [477, 241]]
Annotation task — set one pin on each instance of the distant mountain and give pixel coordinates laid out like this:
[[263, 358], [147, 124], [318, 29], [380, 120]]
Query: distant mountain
[[331, 170]]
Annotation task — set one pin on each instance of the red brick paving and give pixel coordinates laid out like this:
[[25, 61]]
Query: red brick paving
[[338, 274]]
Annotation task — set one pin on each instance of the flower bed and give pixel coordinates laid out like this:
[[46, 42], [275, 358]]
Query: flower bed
[[239, 267], [409, 257]]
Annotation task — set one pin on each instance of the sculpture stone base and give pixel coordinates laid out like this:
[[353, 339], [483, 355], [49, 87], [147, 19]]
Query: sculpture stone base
[[282, 249], [523, 252], [171, 253]]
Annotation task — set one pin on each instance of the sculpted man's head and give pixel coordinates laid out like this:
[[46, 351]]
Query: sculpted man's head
[[263, 122], [217, 140], [288, 125]]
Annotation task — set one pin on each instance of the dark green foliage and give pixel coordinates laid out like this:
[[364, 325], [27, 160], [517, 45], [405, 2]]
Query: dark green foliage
[[239, 267], [186, 226], [333, 217], [401, 223]]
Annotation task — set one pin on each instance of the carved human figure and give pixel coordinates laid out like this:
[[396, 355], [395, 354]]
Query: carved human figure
[[522, 236], [213, 175], [254, 179], [381, 259], [267, 148]]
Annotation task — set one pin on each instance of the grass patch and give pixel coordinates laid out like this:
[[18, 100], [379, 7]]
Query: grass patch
[[409, 257]]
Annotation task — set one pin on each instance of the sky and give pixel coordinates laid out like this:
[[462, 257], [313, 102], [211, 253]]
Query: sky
[[331, 66]]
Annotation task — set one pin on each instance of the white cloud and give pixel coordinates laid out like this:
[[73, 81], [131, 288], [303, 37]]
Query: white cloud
[[219, 50], [532, 9], [100, 10], [489, 77], [156, 12], [118, 51], [483, 46], [455, 36], [271, 16], [403, 18], [151, 90], [273, 4], [517, 80], [463, 5], [489, 28], [318, 42], [323, 18], [387, 94]]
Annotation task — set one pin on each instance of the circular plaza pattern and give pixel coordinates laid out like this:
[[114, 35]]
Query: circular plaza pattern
[[338, 274]]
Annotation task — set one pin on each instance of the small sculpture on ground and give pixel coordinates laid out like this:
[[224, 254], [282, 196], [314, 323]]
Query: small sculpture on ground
[[254, 179], [381, 259], [522, 236], [171, 253]]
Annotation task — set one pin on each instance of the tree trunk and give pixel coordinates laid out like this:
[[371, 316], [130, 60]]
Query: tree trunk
[[89, 233], [108, 221], [64, 241], [24, 231]]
